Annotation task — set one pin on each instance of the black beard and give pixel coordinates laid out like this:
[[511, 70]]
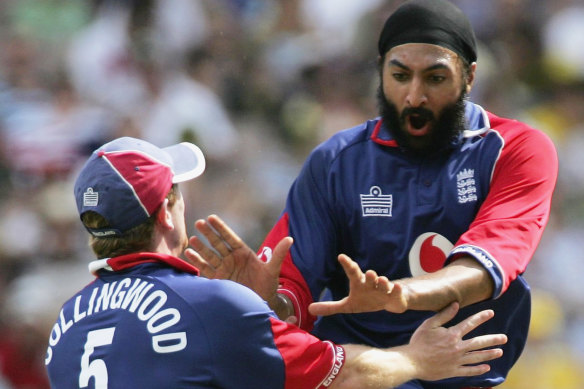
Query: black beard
[[446, 128]]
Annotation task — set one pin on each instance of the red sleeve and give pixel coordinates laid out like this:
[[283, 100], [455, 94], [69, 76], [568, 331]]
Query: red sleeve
[[292, 283], [309, 362], [509, 224]]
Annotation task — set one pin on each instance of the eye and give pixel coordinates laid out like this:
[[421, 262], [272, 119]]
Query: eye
[[436, 78], [398, 76]]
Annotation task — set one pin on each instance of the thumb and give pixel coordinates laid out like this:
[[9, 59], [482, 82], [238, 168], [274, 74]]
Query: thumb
[[443, 316], [280, 252], [327, 308]]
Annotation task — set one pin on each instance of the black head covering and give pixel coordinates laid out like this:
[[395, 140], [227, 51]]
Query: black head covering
[[437, 22]]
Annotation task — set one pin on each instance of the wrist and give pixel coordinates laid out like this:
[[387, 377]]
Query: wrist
[[411, 366]]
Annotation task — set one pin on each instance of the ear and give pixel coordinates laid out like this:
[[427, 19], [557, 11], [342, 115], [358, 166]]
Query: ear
[[471, 77], [164, 217]]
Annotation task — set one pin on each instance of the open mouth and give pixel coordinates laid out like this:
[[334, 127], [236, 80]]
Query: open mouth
[[418, 121]]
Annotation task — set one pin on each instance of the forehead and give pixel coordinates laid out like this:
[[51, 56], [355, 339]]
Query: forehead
[[423, 55]]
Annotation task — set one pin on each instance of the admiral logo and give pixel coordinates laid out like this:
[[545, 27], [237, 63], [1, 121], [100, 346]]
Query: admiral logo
[[376, 203], [90, 198], [466, 186]]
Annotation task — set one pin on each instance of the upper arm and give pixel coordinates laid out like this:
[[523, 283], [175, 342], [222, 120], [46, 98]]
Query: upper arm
[[235, 323], [510, 222]]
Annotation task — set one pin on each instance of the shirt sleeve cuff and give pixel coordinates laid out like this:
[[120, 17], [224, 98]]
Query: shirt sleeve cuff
[[486, 260]]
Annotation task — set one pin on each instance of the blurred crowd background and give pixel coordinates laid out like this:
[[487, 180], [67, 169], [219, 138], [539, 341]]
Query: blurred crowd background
[[256, 84]]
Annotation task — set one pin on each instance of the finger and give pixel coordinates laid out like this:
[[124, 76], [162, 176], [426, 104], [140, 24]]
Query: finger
[[481, 356], [484, 341], [443, 316], [472, 322], [225, 232], [212, 237], [326, 308], [352, 270], [371, 278], [280, 252], [197, 261], [467, 371], [384, 285], [204, 252]]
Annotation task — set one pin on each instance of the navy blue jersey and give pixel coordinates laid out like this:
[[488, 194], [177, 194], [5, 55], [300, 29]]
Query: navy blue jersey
[[488, 197], [148, 321]]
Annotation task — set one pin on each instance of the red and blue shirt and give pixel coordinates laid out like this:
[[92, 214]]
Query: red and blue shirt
[[148, 321], [487, 196]]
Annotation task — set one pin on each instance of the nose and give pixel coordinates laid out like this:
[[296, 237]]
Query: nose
[[416, 96]]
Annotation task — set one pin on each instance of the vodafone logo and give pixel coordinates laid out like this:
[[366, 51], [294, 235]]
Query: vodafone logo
[[428, 253], [266, 254]]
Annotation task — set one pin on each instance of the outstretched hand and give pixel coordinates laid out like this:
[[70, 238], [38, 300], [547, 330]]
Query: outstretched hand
[[439, 352], [234, 260], [368, 292]]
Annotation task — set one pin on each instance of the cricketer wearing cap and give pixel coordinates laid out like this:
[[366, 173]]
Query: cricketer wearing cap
[[148, 321], [441, 198]]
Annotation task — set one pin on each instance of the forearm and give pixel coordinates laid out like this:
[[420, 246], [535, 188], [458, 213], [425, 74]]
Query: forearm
[[433, 353], [366, 367], [464, 281]]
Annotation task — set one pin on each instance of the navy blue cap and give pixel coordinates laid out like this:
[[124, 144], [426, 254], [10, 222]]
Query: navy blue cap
[[127, 179]]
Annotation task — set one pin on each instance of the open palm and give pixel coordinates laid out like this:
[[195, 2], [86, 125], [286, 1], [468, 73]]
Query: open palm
[[368, 292], [232, 259]]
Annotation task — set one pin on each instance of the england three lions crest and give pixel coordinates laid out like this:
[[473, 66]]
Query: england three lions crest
[[466, 186], [376, 203]]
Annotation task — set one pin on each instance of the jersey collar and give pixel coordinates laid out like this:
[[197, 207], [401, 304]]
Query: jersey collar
[[477, 119], [382, 136], [127, 261]]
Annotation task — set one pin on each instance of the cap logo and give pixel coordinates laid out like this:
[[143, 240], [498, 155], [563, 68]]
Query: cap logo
[[90, 198]]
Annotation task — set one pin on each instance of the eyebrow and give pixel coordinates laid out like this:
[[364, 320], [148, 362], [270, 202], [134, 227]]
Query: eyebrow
[[437, 66]]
